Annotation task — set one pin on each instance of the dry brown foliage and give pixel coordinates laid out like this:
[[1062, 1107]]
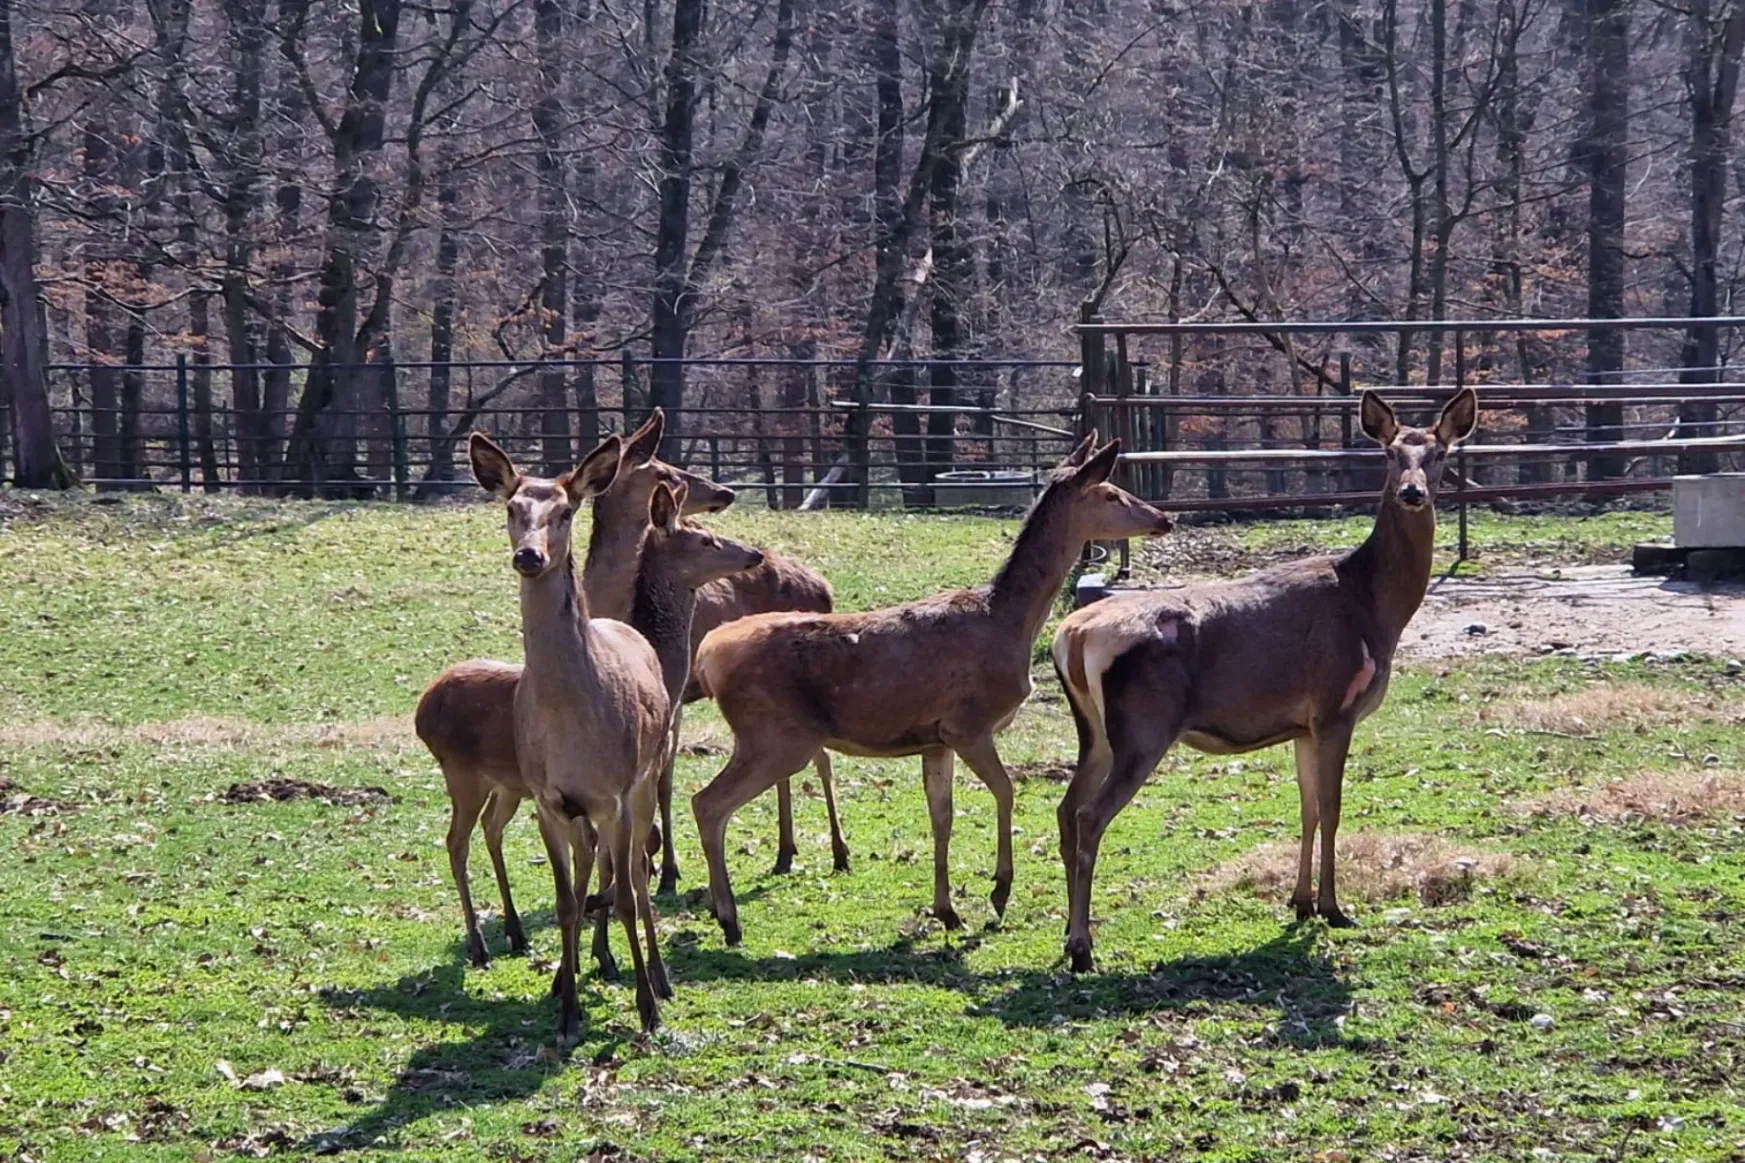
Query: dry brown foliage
[[1610, 706], [1672, 797], [201, 731], [1373, 866]]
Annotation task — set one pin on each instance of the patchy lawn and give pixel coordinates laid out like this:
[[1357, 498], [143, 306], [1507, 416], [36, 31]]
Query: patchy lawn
[[230, 930]]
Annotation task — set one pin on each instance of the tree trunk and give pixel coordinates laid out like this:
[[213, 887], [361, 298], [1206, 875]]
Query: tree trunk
[[1713, 78], [101, 335], [23, 343], [1607, 150], [441, 467], [548, 125], [672, 234], [324, 438], [953, 272], [241, 203], [288, 207]]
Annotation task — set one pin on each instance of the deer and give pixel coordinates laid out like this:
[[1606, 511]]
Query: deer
[[1298, 653], [936, 678], [592, 719], [779, 583], [466, 717]]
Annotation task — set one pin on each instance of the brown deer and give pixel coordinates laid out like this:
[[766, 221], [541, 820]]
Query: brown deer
[[1301, 652], [593, 720], [934, 677], [466, 717], [780, 583]]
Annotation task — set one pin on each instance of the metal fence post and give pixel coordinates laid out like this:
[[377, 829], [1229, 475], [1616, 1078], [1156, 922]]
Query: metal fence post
[[397, 418], [187, 464], [1460, 454]]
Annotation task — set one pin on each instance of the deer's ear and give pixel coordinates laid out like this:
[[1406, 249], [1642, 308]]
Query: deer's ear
[[641, 445], [1379, 422], [664, 506], [492, 467], [1096, 470], [1459, 418], [596, 472], [1077, 456]]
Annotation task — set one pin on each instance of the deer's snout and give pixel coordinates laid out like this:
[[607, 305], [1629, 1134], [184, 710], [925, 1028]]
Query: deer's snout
[[529, 562], [1413, 495], [756, 557]]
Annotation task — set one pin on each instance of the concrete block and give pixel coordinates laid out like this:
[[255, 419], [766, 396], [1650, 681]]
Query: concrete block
[[1651, 558], [1708, 512], [1708, 566]]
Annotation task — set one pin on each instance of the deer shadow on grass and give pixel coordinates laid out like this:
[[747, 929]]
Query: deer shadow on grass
[[1287, 973], [506, 1055]]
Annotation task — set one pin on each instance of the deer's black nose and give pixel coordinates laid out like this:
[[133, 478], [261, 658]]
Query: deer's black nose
[[529, 562], [1412, 495], [756, 558]]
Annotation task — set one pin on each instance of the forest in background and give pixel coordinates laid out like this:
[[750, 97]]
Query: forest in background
[[353, 186]]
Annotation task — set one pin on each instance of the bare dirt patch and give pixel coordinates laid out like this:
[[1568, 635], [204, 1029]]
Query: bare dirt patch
[[1373, 866], [1590, 609], [286, 790], [1670, 797], [1040, 769], [201, 731]]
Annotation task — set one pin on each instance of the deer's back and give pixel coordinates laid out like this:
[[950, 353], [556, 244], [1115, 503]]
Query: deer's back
[[779, 584], [880, 682], [466, 717]]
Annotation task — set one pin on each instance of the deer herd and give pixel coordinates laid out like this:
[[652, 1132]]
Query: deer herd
[[665, 612]]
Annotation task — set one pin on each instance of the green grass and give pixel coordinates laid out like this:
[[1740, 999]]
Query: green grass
[[1604, 536], [152, 930]]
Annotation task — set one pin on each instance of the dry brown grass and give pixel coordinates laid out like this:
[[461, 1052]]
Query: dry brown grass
[[1611, 706], [203, 732], [1373, 866], [1672, 797]]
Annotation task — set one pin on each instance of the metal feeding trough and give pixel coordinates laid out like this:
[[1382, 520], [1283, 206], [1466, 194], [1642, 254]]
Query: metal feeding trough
[[986, 488]]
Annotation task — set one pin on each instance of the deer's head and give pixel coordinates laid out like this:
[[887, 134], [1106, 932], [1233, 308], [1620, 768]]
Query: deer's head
[[628, 498], [1100, 511], [1415, 455], [541, 511], [694, 554]]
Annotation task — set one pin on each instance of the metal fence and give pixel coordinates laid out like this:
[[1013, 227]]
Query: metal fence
[[1243, 417], [183, 430]]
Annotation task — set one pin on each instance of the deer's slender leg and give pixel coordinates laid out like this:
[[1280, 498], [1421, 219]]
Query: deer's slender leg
[[838, 845], [663, 988], [1332, 744], [466, 799], [756, 764], [983, 758], [628, 884], [1309, 804], [669, 858], [936, 778], [786, 849], [498, 812], [1145, 693], [1092, 768], [600, 905], [555, 833]]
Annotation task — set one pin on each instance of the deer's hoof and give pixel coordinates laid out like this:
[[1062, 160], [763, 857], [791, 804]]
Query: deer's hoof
[[1002, 893], [784, 862], [839, 857], [663, 985], [518, 944], [1305, 909], [647, 1007], [1079, 954], [1336, 918], [948, 917], [669, 880], [732, 933], [569, 1031], [607, 968], [476, 952]]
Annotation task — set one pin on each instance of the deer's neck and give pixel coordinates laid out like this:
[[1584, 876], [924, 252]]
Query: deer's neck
[[1025, 588], [554, 625], [609, 574], [1396, 560], [661, 609]]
